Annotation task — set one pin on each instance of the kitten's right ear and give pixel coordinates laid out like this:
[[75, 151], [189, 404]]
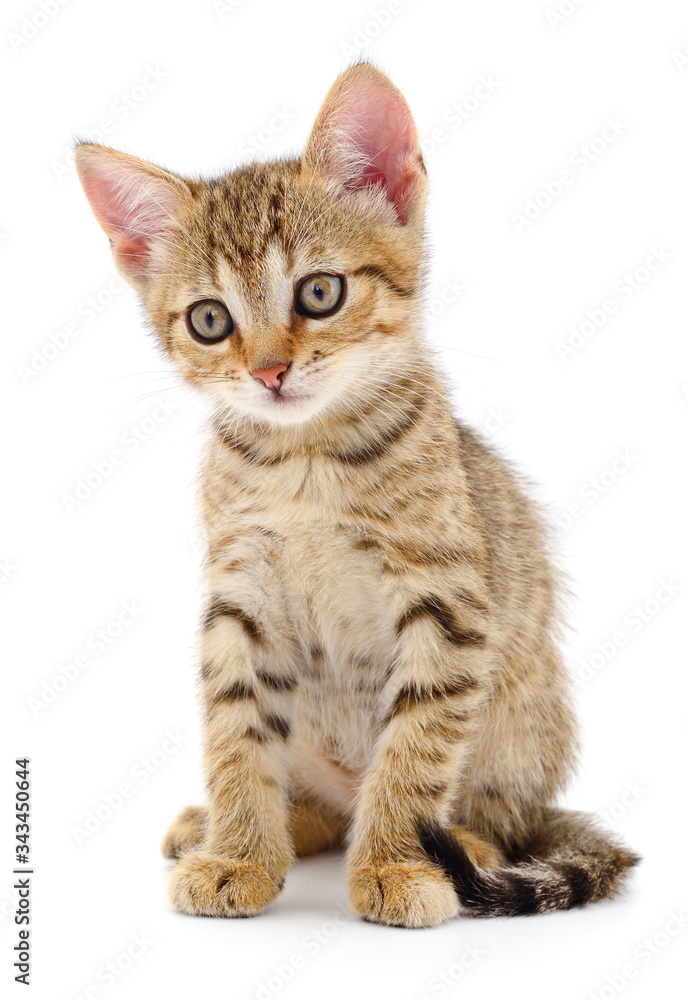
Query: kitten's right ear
[[138, 205]]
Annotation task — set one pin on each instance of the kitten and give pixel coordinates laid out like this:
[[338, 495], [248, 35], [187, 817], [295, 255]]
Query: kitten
[[379, 657]]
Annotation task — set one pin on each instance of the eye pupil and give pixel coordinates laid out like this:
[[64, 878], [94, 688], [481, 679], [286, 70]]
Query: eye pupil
[[209, 322], [320, 295]]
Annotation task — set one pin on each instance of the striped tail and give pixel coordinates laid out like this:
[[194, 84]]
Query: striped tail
[[572, 863]]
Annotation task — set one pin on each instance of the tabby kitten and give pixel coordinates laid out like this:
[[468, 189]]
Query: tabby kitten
[[379, 662]]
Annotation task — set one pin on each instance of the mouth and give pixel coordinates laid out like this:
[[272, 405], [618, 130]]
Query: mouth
[[289, 406], [288, 399], [282, 396], [285, 404]]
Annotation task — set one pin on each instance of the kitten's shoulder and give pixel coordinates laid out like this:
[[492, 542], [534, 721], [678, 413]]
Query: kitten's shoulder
[[501, 492], [481, 461]]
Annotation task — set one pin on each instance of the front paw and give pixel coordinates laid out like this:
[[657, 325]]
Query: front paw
[[207, 886], [409, 894]]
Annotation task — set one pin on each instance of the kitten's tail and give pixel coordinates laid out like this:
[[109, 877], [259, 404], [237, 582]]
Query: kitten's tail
[[571, 863]]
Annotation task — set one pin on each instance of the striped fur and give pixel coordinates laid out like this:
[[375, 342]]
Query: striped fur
[[570, 864], [379, 659]]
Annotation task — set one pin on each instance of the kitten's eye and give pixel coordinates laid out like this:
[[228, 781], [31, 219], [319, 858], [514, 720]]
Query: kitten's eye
[[320, 295], [209, 322]]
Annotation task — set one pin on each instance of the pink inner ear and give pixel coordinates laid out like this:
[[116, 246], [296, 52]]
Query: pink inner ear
[[134, 206], [118, 220], [384, 136], [373, 141]]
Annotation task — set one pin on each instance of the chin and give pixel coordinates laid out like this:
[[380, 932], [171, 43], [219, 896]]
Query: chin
[[283, 410]]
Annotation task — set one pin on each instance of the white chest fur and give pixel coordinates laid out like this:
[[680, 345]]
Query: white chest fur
[[294, 561]]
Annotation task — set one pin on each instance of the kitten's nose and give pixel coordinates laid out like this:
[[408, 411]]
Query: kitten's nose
[[270, 377]]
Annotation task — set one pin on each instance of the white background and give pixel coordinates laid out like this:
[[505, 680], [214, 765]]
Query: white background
[[220, 77]]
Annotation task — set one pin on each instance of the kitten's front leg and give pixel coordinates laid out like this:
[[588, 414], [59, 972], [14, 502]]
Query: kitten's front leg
[[248, 687], [439, 681]]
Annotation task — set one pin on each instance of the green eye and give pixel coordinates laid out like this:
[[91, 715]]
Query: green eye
[[209, 322], [320, 295]]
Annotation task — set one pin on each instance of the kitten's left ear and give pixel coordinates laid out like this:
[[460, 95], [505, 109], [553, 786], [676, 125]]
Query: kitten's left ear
[[137, 204], [365, 137]]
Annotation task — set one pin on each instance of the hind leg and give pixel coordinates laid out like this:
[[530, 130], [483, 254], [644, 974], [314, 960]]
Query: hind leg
[[186, 833], [481, 852], [312, 829], [523, 754]]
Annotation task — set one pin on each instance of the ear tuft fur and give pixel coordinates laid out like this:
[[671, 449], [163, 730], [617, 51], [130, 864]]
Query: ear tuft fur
[[136, 204], [364, 138]]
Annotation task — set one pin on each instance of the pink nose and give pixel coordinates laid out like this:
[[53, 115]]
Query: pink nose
[[270, 377]]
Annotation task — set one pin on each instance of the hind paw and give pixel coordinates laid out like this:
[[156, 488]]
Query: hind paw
[[185, 834]]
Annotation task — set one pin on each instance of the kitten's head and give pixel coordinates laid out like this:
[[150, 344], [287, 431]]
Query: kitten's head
[[281, 287]]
